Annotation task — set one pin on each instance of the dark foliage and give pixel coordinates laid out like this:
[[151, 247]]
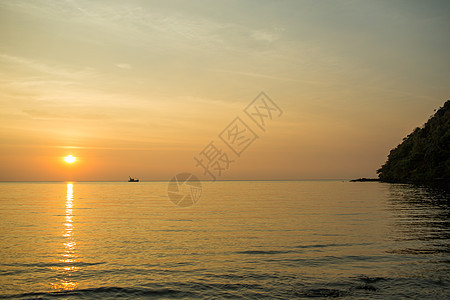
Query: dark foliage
[[424, 155]]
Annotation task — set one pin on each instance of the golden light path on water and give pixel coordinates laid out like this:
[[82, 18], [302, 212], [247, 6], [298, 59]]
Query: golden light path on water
[[68, 256]]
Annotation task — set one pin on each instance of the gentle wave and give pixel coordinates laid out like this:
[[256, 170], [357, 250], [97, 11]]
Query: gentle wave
[[102, 292], [330, 245], [53, 264], [207, 290], [263, 252], [312, 246]]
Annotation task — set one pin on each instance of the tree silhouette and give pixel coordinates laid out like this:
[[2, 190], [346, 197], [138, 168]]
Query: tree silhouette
[[424, 155]]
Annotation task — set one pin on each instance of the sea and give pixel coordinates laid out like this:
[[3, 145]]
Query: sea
[[241, 240]]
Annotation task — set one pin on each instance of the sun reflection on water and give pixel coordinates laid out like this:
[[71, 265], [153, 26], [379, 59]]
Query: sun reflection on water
[[68, 257]]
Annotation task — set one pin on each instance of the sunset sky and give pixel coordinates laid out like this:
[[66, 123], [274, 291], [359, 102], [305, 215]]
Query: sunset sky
[[141, 87]]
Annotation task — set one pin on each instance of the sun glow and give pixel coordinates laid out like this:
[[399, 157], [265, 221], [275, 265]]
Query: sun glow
[[70, 159]]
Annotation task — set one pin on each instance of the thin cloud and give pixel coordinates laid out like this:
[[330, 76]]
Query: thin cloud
[[280, 78], [265, 36], [124, 66], [45, 68]]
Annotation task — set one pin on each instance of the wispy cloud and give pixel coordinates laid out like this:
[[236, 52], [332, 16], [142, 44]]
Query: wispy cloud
[[45, 69], [278, 78], [124, 66], [145, 22], [264, 36]]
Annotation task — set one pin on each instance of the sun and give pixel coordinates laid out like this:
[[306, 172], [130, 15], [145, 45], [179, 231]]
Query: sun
[[70, 159]]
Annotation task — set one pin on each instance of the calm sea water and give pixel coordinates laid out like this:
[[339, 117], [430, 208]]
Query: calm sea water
[[243, 239]]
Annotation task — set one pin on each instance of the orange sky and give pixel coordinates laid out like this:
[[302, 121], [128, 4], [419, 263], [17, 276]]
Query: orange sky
[[141, 87]]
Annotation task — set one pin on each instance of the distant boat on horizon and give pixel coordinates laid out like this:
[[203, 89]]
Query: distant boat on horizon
[[131, 179]]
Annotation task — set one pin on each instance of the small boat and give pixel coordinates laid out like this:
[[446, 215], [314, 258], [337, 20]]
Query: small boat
[[131, 179]]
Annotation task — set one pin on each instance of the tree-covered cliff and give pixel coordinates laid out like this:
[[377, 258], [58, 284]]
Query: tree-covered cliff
[[424, 155]]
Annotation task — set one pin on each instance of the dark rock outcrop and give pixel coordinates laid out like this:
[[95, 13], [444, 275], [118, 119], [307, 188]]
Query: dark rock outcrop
[[424, 155]]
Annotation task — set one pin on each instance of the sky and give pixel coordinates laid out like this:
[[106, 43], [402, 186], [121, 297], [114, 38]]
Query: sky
[[141, 88]]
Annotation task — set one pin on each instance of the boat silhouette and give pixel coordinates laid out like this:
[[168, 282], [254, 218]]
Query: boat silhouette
[[131, 179]]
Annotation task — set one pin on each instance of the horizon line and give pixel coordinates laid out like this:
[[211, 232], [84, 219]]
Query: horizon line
[[167, 180]]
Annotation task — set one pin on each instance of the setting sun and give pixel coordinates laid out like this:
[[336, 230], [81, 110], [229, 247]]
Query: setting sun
[[70, 159]]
